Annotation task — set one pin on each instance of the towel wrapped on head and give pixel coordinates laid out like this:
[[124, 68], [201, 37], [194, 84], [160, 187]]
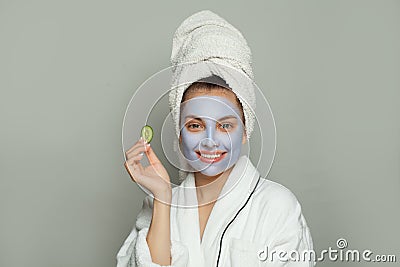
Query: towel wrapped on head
[[204, 46]]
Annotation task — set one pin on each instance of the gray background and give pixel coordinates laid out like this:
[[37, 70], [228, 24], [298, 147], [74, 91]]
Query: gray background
[[330, 70]]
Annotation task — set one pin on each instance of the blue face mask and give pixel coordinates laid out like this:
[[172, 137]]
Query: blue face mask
[[211, 132]]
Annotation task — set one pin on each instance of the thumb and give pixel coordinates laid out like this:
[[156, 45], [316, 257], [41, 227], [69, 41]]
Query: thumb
[[153, 159]]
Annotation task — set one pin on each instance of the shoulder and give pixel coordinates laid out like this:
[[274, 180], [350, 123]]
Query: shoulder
[[274, 193], [276, 202]]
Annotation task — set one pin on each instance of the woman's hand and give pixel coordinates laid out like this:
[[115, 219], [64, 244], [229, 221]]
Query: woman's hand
[[154, 177]]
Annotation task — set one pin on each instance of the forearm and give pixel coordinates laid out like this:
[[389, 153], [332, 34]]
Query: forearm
[[158, 236]]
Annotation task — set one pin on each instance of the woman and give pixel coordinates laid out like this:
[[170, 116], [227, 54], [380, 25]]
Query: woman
[[223, 213]]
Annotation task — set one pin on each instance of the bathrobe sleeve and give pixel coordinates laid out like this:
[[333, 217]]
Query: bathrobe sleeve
[[135, 251], [289, 231]]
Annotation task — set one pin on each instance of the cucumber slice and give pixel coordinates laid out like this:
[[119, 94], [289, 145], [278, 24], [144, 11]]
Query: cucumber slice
[[147, 133]]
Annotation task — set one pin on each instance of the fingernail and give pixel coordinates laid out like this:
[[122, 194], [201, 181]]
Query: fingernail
[[141, 154]]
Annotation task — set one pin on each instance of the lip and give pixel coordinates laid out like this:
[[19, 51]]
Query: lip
[[209, 160]]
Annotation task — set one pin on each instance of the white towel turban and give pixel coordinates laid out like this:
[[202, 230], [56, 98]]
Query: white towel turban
[[206, 45]]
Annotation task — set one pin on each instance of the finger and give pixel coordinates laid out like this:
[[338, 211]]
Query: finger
[[134, 169], [132, 161], [140, 142], [136, 173], [137, 151], [153, 159], [136, 158], [129, 169]]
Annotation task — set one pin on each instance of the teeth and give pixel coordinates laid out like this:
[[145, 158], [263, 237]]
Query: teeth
[[210, 156]]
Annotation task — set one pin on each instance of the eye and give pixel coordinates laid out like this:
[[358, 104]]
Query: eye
[[194, 126], [226, 126]]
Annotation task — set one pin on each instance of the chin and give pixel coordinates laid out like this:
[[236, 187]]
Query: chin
[[214, 170]]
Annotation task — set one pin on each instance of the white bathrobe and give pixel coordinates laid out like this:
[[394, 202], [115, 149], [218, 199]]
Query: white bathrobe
[[255, 224]]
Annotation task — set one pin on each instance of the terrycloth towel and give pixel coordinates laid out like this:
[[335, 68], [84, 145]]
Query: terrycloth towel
[[206, 45]]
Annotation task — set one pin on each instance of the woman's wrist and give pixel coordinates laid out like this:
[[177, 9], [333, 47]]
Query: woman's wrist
[[159, 237], [164, 197], [163, 193]]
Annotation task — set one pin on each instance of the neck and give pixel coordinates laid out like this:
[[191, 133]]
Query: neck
[[208, 188]]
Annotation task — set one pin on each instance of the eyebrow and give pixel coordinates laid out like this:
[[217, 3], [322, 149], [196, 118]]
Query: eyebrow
[[220, 119]]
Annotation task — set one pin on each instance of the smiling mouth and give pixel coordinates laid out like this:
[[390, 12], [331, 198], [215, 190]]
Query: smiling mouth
[[210, 157]]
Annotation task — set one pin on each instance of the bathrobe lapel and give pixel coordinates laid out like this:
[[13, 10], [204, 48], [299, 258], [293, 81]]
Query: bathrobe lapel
[[185, 224], [235, 192]]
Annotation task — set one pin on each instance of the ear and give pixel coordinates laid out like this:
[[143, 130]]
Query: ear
[[244, 137]]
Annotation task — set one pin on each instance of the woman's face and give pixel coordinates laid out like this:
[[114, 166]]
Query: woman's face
[[212, 132]]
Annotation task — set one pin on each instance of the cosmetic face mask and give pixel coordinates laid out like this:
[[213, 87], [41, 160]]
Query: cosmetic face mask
[[211, 132]]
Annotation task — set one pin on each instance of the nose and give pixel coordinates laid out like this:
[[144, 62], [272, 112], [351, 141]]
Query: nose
[[210, 141]]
